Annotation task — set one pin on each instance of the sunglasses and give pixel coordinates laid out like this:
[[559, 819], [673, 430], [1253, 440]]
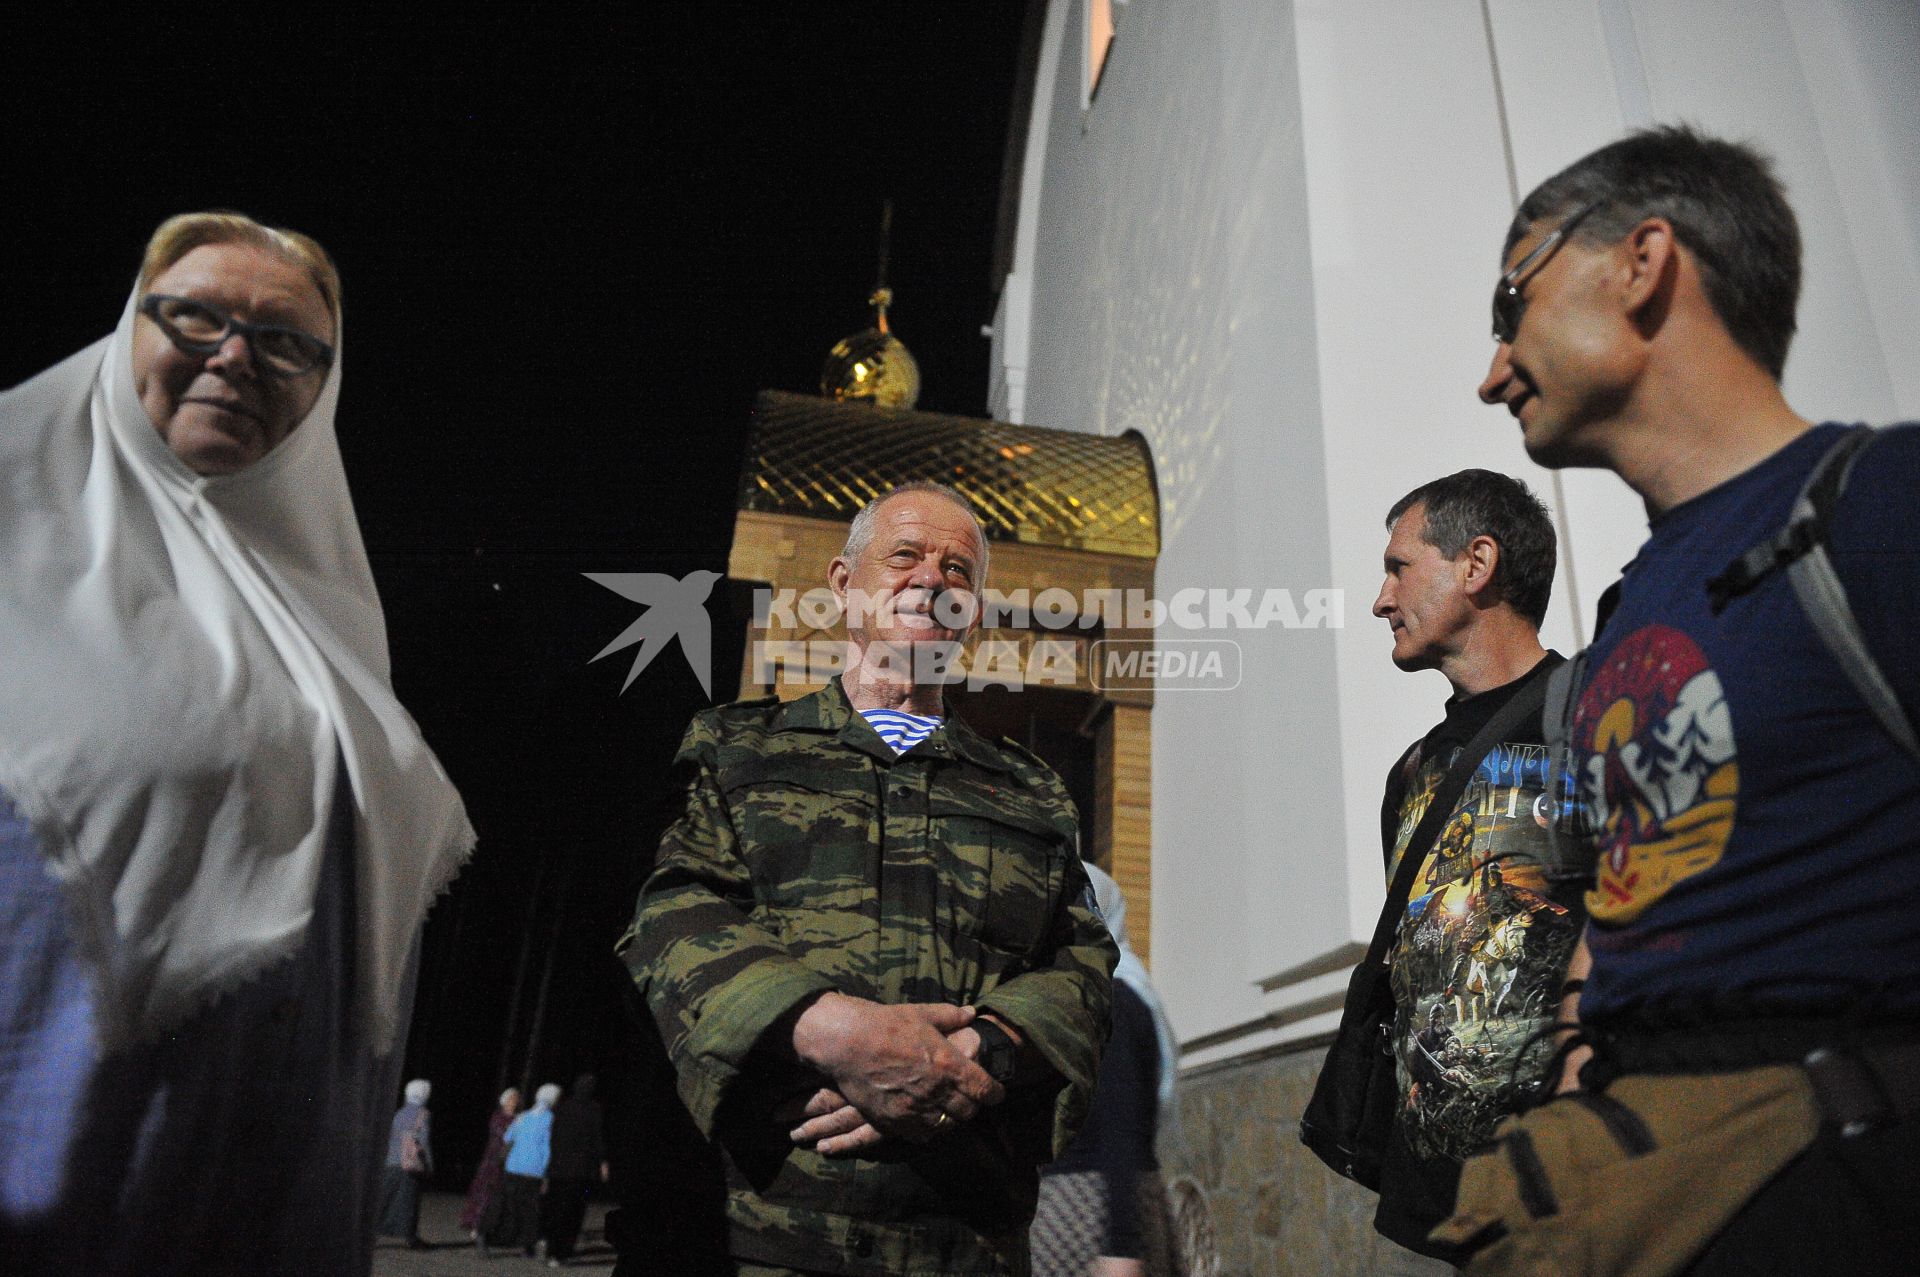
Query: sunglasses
[[1508, 303]]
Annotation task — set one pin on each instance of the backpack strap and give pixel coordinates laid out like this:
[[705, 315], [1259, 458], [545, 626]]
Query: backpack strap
[[1512, 716], [1801, 549], [1824, 599], [1564, 684], [1806, 526]]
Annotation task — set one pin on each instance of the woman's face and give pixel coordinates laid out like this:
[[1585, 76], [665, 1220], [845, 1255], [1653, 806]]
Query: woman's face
[[510, 1103], [222, 412]]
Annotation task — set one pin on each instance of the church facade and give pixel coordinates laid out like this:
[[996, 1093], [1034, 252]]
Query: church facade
[[1261, 235]]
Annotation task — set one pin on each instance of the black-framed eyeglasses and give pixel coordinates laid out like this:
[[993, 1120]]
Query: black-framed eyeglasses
[[1508, 303], [201, 328]]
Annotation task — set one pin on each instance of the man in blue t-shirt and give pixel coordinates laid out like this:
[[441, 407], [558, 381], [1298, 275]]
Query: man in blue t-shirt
[[1757, 892]]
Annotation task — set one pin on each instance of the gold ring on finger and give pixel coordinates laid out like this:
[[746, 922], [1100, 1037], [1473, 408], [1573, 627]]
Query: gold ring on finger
[[942, 1122]]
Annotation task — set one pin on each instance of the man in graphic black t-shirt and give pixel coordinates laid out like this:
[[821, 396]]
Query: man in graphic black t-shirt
[[1494, 913]]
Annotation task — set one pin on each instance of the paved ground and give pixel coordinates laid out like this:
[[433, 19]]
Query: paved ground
[[453, 1255]]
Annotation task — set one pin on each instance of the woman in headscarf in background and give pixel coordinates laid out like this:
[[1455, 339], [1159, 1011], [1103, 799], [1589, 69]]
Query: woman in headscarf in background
[[409, 1163], [1102, 1207], [577, 1161], [513, 1219], [219, 831], [486, 1176]]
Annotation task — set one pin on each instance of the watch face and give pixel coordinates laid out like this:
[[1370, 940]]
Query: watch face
[[998, 1055]]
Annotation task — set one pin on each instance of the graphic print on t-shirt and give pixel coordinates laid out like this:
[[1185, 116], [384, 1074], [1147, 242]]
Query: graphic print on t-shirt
[[1661, 774], [1478, 960]]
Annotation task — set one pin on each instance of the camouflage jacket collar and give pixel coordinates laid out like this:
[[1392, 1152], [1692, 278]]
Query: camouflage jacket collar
[[828, 710]]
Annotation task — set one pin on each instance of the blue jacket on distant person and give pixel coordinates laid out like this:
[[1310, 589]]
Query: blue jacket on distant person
[[530, 1142]]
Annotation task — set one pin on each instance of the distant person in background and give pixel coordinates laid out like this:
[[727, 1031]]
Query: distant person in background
[[493, 1163], [219, 830], [579, 1161], [409, 1162], [513, 1218], [1103, 1210]]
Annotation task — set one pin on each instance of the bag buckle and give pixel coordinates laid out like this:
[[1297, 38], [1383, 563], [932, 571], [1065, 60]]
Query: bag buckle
[[1848, 1092]]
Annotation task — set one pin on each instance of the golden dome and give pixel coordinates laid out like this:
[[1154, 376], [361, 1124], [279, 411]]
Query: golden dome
[[872, 366]]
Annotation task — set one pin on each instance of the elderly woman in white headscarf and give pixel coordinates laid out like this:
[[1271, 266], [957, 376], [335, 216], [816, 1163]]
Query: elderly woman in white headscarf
[[219, 831], [409, 1163], [1102, 1208]]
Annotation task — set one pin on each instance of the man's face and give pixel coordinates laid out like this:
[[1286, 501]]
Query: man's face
[[1567, 370], [221, 412], [917, 581], [1424, 595]]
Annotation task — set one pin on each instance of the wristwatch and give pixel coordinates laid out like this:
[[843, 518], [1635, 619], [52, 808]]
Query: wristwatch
[[999, 1056]]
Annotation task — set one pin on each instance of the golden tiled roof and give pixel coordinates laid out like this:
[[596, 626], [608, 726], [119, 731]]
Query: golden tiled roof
[[825, 459]]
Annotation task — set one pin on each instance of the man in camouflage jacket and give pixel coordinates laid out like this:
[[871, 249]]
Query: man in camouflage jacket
[[832, 930]]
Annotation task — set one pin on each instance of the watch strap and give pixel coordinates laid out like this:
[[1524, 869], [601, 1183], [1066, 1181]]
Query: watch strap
[[999, 1055]]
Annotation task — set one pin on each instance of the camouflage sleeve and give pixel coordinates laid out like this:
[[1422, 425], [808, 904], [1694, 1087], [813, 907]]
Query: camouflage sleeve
[[1062, 1006], [713, 979]]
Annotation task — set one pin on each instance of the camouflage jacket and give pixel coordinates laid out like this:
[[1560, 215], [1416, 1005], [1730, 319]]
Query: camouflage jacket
[[810, 857]]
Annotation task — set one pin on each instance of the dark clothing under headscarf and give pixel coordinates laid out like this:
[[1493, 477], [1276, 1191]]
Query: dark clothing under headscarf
[[1103, 1197], [1117, 1140], [579, 1150], [578, 1145]]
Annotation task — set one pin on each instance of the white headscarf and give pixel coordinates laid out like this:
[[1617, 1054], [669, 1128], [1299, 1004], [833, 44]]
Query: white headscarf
[[1113, 907], [547, 1096], [419, 1091], [188, 662]]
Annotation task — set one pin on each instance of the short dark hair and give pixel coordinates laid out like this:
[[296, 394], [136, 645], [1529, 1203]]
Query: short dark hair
[[1473, 503], [1725, 205]]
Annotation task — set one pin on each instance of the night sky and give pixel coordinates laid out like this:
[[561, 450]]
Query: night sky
[[574, 247]]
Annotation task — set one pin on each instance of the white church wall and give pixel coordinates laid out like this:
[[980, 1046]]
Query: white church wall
[[1196, 330]]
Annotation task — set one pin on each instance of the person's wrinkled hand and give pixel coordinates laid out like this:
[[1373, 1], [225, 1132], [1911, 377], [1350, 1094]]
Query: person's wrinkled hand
[[836, 1128], [832, 1126], [894, 1072], [966, 1041]]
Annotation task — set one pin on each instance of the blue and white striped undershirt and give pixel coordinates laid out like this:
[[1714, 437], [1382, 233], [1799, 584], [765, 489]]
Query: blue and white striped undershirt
[[901, 730]]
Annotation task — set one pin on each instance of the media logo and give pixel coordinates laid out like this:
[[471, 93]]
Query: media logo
[[1188, 665], [676, 609]]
